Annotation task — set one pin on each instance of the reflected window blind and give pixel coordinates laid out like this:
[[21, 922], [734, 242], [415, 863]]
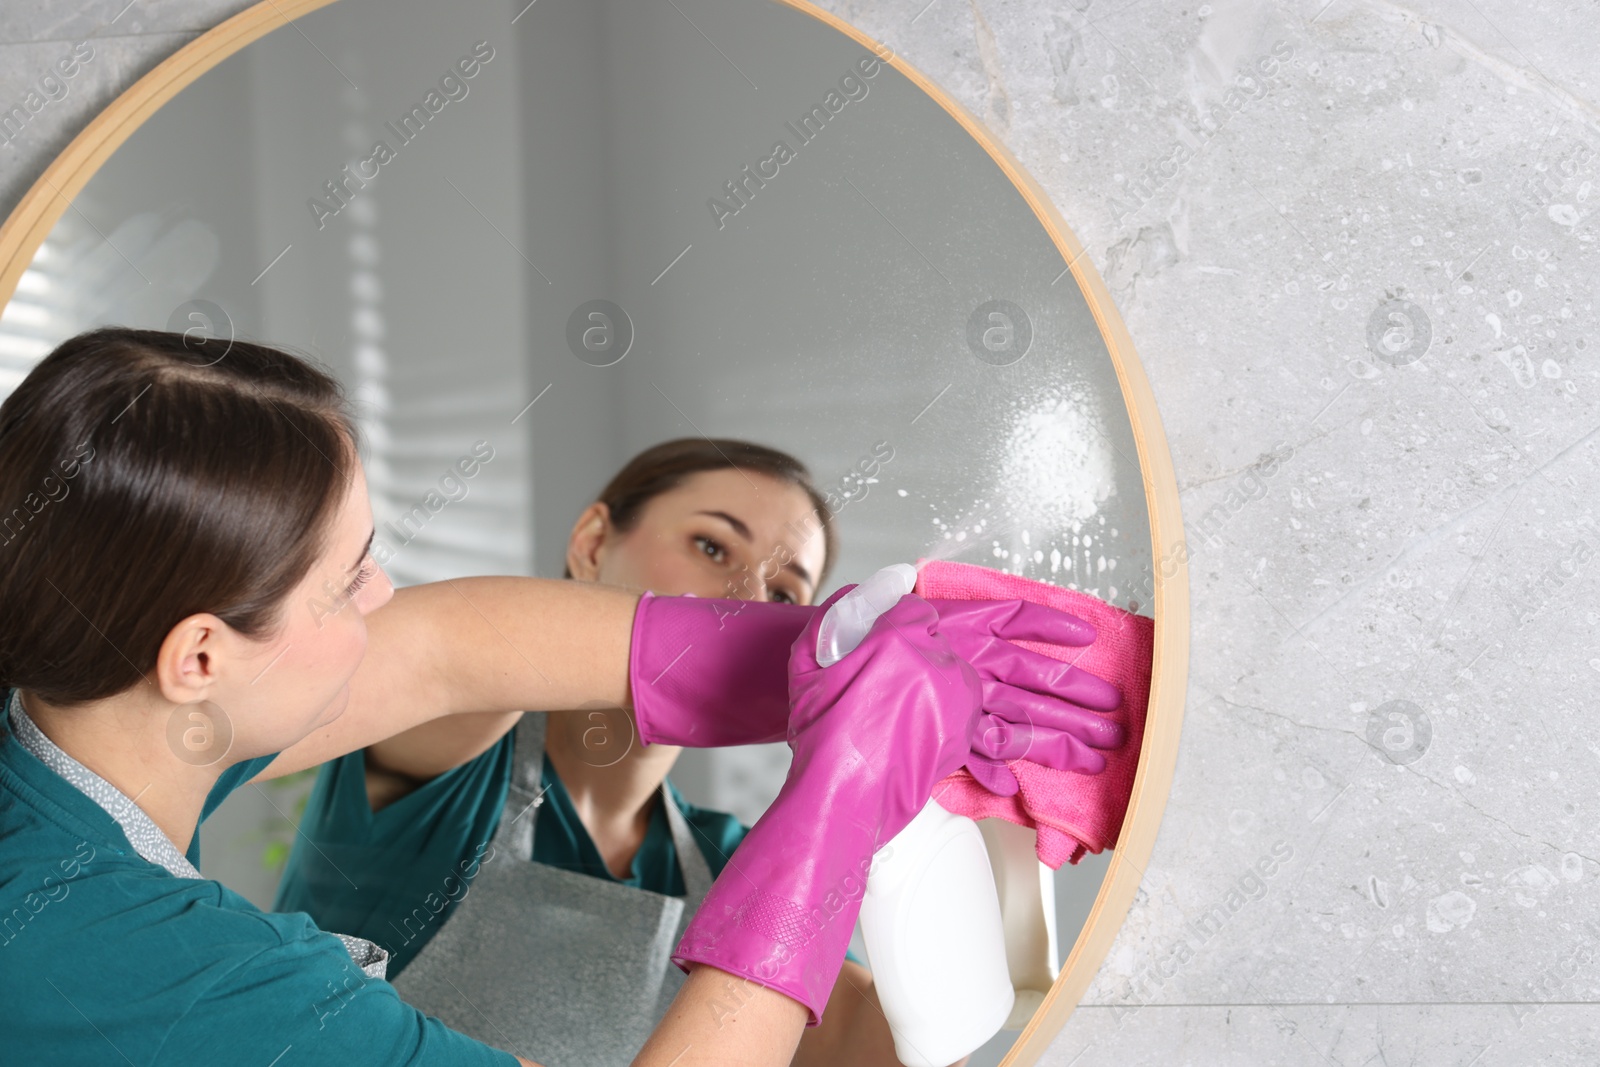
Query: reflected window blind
[[420, 413], [413, 429], [46, 308]]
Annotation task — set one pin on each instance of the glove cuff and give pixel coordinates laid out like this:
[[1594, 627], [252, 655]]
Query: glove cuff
[[792, 947], [782, 911], [708, 672]]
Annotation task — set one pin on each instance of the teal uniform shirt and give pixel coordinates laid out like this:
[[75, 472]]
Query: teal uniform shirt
[[105, 957], [393, 876]]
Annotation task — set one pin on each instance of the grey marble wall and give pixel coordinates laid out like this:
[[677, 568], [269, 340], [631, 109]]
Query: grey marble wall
[[1357, 235]]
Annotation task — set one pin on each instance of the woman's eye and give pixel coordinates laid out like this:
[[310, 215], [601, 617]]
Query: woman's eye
[[782, 597], [363, 576], [717, 552]]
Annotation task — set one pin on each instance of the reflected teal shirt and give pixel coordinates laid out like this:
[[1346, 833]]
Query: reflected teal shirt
[[393, 876], [107, 958]]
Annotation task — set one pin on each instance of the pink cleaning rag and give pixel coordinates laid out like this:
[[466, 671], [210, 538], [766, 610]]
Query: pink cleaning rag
[[1074, 813]]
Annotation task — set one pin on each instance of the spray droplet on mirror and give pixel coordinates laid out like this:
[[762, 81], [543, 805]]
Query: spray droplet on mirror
[[1055, 467]]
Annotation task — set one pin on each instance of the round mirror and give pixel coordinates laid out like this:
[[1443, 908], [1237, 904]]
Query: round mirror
[[552, 235]]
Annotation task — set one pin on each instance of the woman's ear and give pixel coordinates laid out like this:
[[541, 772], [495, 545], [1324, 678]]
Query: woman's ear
[[586, 543]]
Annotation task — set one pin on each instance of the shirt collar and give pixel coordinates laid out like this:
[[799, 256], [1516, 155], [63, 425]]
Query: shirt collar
[[141, 830]]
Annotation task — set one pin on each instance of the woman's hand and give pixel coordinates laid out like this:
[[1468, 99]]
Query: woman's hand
[[705, 672], [902, 697], [1034, 707], [871, 736]]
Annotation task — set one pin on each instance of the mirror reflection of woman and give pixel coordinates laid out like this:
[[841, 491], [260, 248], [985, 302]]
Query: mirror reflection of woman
[[199, 610], [712, 518]]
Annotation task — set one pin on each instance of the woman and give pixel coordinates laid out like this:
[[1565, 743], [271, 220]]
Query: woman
[[191, 605], [715, 518]]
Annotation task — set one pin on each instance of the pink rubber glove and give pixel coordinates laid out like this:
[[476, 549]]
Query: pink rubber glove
[[1019, 721], [708, 672], [871, 736]]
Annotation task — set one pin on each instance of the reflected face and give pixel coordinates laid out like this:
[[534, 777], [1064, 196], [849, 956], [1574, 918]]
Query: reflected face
[[278, 691], [724, 533]]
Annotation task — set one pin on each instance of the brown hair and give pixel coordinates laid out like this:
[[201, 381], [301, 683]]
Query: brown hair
[[664, 467], [195, 474]]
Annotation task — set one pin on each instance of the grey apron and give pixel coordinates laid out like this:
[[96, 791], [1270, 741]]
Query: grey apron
[[556, 966], [141, 830]]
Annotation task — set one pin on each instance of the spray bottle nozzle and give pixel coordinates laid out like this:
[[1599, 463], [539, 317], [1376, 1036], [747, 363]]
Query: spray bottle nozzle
[[850, 619]]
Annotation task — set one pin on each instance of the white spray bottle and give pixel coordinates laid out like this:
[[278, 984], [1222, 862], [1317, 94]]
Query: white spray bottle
[[931, 914]]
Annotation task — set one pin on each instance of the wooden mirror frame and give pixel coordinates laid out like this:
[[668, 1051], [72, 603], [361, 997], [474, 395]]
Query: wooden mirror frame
[[47, 200]]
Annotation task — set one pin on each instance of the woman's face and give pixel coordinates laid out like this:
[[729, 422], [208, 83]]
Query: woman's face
[[274, 693], [722, 533]]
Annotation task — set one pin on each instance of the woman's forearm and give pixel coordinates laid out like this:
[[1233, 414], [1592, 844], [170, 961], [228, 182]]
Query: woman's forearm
[[852, 1031], [499, 644], [511, 644], [719, 1019]]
